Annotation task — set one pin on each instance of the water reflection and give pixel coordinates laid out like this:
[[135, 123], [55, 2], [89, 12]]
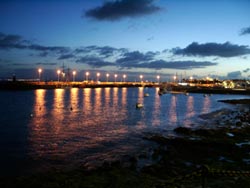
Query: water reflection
[[103, 119], [124, 97], [190, 111], [157, 109], [40, 103], [206, 104], [58, 108], [87, 102], [173, 110], [74, 98]]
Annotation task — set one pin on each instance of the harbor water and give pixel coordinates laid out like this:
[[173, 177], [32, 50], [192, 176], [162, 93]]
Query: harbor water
[[42, 129]]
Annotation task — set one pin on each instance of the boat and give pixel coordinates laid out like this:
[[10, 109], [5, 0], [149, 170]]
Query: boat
[[146, 95], [139, 105], [171, 89]]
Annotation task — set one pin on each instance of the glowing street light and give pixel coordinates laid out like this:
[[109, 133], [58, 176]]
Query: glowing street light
[[58, 75], [39, 72], [191, 78], [87, 75], [107, 76], [115, 77], [97, 76], [141, 77], [124, 77], [175, 77], [74, 75], [158, 78]]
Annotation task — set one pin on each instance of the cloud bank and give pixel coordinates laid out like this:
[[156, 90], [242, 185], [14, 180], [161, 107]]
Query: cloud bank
[[122, 58], [116, 10], [8, 42], [213, 49]]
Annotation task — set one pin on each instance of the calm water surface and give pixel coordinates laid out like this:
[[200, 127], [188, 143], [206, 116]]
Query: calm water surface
[[46, 128]]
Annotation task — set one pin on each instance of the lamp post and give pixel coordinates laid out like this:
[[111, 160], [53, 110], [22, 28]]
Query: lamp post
[[124, 77], [141, 77], [158, 78], [39, 72], [107, 76], [58, 75], [115, 77], [74, 75], [97, 76], [87, 76], [175, 79]]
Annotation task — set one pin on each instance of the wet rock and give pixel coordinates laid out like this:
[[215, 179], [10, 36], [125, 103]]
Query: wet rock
[[183, 130], [238, 124]]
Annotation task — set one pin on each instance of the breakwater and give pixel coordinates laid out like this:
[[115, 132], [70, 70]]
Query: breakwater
[[29, 85], [24, 85]]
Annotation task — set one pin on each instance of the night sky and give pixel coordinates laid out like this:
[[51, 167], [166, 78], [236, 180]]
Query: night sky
[[196, 38]]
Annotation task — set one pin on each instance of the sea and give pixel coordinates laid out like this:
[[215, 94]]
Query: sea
[[85, 127]]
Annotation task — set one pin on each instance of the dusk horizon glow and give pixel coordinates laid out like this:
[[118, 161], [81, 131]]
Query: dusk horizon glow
[[125, 37]]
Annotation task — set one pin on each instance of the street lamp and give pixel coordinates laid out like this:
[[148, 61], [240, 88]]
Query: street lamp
[[39, 72], [107, 75], [124, 77], [158, 78], [97, 76], [175, 78], [74, 75], [141, 76], [87, 76], [115, 77], [58, 75]]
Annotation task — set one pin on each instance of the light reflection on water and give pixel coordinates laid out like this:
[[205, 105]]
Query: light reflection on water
[[76, 123], [82, 125]]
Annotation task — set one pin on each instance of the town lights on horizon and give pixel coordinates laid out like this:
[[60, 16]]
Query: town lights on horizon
[[115, 77]]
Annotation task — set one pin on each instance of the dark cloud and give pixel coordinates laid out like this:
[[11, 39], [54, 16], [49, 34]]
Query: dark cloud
[[233, 75], [246, 70], [161, 64], [118, 9], [213, 49], [245, 31], [94, 61], [57, 49], [50, 64], [66, 56], [105, 51], [135, 57], [12, 41], [8, 42]]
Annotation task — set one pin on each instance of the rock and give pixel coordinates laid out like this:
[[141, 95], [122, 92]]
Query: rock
[[183, 130]]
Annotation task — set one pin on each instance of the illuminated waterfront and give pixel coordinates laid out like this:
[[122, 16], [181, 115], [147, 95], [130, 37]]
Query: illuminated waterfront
[[46, 128]]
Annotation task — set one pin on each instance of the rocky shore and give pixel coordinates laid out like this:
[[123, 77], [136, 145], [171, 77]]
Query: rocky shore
[[216, 154]]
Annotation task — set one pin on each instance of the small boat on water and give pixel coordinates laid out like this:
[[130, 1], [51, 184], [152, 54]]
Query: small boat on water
[[171, 89], [139, 105], [146, 95]]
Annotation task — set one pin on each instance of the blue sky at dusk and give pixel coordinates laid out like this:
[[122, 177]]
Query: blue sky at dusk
[[196, 38]]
